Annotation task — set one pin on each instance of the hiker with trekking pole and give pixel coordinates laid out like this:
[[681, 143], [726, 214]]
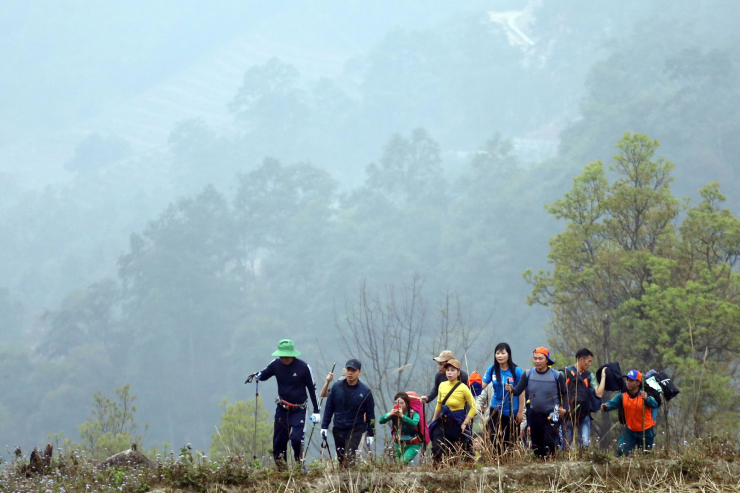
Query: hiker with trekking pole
[[637, 407], [350, 404], [503, 412], [295, 385], [584, 397], [407, 438], [546, 399]]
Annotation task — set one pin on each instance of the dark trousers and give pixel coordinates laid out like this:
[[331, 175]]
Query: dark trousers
[[503, 431], [633, 439], [347, 441], [447, 437], [543, 433], [288, 426]]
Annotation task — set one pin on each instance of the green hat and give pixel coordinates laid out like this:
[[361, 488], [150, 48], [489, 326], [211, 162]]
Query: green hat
[[285, 349]]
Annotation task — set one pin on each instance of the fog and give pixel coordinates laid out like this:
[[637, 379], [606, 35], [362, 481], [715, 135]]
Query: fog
[[182, 184]]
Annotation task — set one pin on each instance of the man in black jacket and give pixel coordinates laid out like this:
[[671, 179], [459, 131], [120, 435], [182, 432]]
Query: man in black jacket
[[351, 404], [440, 377], [295, 385]]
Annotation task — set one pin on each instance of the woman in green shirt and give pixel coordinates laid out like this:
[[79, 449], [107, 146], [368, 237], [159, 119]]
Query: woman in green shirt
[[407, 443]]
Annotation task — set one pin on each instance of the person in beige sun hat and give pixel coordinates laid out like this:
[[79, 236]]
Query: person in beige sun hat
[[440, 377]]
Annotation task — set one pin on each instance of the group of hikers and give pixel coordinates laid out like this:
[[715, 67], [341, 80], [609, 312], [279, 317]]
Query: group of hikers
[[542, 408]]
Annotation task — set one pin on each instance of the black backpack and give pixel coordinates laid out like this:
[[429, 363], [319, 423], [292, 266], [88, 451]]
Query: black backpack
[[578, 395], [666, 384]]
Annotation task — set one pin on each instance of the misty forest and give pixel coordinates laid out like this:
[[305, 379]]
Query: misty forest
[[183, 184]]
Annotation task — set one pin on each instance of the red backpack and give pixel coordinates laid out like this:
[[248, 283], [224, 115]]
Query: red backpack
[[418, 406]]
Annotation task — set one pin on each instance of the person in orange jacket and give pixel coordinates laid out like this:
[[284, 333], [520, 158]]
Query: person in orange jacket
[[637, 405]]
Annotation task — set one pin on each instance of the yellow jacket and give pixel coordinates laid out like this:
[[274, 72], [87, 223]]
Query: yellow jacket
[[457, 400]]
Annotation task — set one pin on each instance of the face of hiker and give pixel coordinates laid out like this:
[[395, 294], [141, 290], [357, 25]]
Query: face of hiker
[[441, 366], [632, 385], [352, 375], [585, 363], [502, 356], [540, 361], [452, 373], [286, 360]]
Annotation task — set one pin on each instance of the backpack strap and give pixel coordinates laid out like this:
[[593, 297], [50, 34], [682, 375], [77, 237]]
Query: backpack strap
[[556, 374], [444, 401], [573, 371]]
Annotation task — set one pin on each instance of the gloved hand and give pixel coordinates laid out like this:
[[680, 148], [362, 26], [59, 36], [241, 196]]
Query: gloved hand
[[315, 418], [369, 441], [323, 433], [252, 376]]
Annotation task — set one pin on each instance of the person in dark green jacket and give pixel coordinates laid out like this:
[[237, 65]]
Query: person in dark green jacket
[[407, 443]]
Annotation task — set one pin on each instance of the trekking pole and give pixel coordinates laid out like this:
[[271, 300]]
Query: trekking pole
[[256, 402], [325, 445], [424, 429], [512, 417], [399, 424], [643, 413], [305, 451]]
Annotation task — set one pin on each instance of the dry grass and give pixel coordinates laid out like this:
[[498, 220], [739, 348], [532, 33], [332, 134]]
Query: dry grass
[[706, 466]]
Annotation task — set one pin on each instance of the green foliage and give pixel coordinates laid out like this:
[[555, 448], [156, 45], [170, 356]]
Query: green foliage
[[235, 434], [112, 427], [636, 286]]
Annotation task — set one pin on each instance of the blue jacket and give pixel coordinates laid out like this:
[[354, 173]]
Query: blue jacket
[[350, 406], [295, 381]]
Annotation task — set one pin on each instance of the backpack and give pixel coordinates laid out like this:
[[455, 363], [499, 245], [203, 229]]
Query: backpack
[[614, 379], [579, 398], [416, 405], [668, 388], [653, 388], [475, 382]]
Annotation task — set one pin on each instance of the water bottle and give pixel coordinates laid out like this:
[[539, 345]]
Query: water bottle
[[555, 415]]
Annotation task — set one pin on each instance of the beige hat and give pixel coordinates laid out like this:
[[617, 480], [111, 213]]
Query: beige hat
[[455, 363], [445, 355]]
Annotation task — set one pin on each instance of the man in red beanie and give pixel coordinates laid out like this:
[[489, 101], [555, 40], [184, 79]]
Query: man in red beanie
[[546, 399]]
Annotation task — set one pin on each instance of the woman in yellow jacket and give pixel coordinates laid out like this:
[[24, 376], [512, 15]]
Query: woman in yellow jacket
[[450, 425]]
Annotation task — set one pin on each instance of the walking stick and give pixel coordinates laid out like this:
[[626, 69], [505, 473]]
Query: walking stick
[[325, 445], [256, 402], [642, 381], [512, 417], [424, 430], [399, 424], [310, 436]]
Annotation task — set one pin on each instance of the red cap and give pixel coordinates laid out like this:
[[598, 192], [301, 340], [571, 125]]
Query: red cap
[[544, 351]]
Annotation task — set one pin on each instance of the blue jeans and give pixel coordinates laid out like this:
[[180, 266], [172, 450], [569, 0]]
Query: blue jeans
[[584, 431]]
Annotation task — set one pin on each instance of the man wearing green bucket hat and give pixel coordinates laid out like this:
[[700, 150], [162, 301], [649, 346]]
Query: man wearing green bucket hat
[[295, 384]]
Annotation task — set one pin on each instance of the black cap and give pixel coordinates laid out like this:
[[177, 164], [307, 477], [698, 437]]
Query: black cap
[[354, 364]]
